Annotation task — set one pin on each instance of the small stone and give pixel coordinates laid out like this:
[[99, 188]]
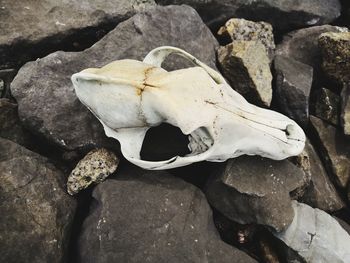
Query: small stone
[[293, 86], [334, 148], [315, 236], [241, 29], [94, 168], [345, 109], [245, 65], [335, 49], [256, 190], [327, 106]]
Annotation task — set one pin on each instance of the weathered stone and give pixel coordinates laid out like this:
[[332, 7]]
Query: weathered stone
[[94, 168], [335, 49], [320, 193], [36, 213], [245, 65], [147, 216], [327, 106], [334, 148], [6, 76], [45, 94], [31, 29], [293, 86], [316, 236], [256, 190], [241, 29], [283, 15], [345, 109]]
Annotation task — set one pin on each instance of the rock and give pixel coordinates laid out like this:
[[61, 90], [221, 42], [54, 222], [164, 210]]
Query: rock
[[345, 109], [335, 49], [293, 86], [252, 189], [334, 148], [145, 216], [245, 65], [316, 236], [36, 213], [94, 168], [31, 29], [283, 15], [241, 29], [6, 76], [45, 93], [327, 106], [320, 193]]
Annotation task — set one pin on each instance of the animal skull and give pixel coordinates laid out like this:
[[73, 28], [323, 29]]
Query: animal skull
[[129, 97]]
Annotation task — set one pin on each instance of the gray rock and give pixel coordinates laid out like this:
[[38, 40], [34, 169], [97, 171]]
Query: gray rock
[[283, 15], [334, 148], [241, 29], [252, 189], [36, 213], [345, 109], [30, 29], [335, 48], [320, 193], [94, 168], [145, 216], [6, 76], [246, 66], [44, 92], [316, 236], [293, 86], [327, 106]]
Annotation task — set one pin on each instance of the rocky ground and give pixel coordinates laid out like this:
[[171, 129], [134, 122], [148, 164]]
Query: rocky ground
[[289, 56]]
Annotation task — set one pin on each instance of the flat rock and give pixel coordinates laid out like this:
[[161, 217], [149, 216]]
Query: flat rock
[[45, 94], [335, 48], [252, 189], [345, 109], [293, 86], [36, 213], [29, 29], [242, 29], [144, 216], [334, 148], [283, 15], [246, 66], [316, 236], [327, 106], [320, 193]]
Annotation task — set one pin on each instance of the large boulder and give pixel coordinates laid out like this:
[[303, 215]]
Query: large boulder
[[45, 94], [144, 216], [36, 212], [30, 29]]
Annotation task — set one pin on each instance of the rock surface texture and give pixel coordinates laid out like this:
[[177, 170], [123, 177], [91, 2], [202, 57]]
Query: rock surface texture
[[44, 92], [32, 28], [36, 213], [170, 221], [256, 190], [345, 109], [327, 106], [245, 65]]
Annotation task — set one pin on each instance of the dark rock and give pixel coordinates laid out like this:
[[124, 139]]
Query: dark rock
[[36, 213], [335, 49], [245, 64], [345, 109], [6, 76], [320, 193], [327, 106], [283, 15], [293, 86], [334, 148], [45, 95], [148, 216], [31, 29], [256, 190]]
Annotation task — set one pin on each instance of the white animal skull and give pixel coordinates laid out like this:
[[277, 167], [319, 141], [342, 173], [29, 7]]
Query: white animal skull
[[130, 96]]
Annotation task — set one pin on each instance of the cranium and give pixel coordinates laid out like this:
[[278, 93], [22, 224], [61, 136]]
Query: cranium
[[129, 97]]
